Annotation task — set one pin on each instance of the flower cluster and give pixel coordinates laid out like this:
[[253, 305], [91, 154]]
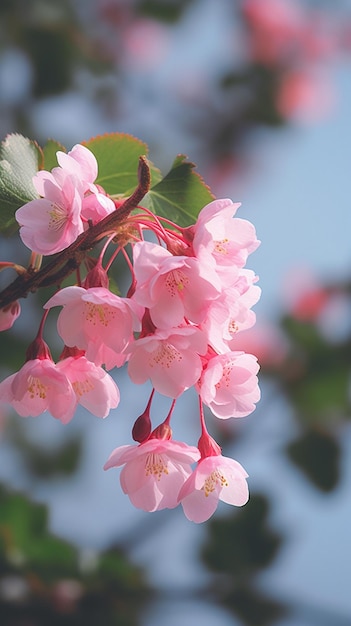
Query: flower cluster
[[190, 295]]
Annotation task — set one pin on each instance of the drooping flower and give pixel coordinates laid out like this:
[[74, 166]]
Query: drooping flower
[[154, 471], [37, 387], [215, 478], [94, 388], [172, 287], [169, 358], [98, 321], [229, 385]]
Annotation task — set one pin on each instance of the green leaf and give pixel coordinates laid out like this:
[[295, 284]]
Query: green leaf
[[118, 155], [317, 454], [110, 590], [180, 195], [49, 152], [19, 159], [252, 606], [323, 394], [169, 12], [24, 532], [256, 543]]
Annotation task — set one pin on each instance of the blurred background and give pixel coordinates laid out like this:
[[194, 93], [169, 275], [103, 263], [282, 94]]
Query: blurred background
[[258, 95]]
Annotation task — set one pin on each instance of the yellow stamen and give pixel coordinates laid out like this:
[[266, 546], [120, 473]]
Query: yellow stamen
[[212, 480], [176, 281], [36, 388], [82, 386], [155, 465], [164, 355]]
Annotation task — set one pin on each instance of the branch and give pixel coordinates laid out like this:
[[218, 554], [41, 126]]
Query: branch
[[69, 259]]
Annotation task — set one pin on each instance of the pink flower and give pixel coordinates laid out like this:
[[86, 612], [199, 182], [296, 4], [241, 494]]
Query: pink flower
[[37, 387], [227, 241], [154, 471], [172, 287], [94, 388], [9, 314], [229, 385], [69, 198], [231, 312], [51, 223], [97, 321], [215, 478], [170, 358], [80, 162]]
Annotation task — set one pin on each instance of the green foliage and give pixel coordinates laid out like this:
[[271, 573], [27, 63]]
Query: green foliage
[[318, 385], [251, 606], [19, 158], [25, 540], [168, 12], [45, 462], [317, 454], [53, 69], [118, 155], [243, 543], [53, 585], [49, 154], [239, 546], [180, 195]]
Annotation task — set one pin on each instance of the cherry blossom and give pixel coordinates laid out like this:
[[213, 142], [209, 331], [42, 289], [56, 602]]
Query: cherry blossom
[[189, 297], [172, 287], [227, 240], [169, 358], [215, 478], [154, 471], [37, 387], [51, 223], [80, 162], [229, 384], [94, 388], [98, 321], [232, 312]]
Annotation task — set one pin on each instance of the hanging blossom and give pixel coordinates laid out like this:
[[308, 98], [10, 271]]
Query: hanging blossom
[[170, 359], [229, 385], [155, 470], [43, 385], [215, 478], [178, 326], [97, 321]]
